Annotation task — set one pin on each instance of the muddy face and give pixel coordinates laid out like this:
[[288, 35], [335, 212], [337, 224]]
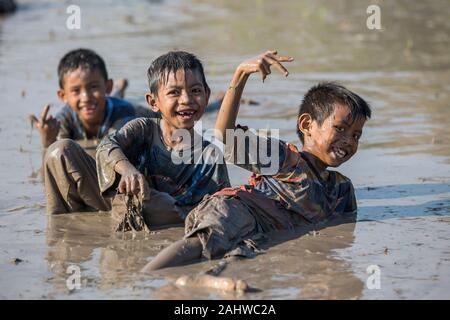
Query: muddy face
[[85, 92], [181, 100], [336, 140]]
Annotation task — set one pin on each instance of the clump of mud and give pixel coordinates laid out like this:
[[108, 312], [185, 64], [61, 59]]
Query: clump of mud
[[133, 219]]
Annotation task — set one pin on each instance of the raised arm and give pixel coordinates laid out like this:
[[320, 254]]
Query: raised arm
[[262, 63]]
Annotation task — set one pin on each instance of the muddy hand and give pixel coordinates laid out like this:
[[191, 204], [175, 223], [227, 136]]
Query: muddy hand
[[133, 182], [263, 63], [47, 125]]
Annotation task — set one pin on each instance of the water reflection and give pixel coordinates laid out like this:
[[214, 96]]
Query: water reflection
[[88, 241]]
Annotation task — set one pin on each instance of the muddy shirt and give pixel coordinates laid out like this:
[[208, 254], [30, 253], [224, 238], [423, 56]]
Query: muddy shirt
[[140, 141], [118, 112], [296, 184]]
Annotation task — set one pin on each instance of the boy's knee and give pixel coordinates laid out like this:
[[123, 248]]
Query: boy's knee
[[61, 148]]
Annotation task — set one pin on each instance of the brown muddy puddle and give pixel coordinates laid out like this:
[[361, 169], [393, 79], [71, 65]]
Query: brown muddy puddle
[[401, 172]]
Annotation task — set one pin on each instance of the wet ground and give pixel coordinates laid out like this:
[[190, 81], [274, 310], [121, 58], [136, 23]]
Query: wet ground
[[401, 173]]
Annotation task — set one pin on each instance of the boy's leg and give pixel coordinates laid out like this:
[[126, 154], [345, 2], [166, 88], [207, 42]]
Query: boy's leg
[[227, 223], [119, 88], [178, 253], [213, 228], [222, 223], [71, 180]]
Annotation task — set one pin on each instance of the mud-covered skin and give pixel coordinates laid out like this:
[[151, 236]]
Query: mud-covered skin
[[181, 100], [177, 253], [297, 184], [72, 186], [333, 142], [226, 119], [140, 143], [85, 91]]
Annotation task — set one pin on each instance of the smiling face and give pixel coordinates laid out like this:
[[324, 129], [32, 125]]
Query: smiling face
[[85, 91], [182, 99], [336, 140]]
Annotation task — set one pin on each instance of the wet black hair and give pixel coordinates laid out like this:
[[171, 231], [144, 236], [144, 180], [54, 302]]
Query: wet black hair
[[84, 58], [321, 100], [161, 67]]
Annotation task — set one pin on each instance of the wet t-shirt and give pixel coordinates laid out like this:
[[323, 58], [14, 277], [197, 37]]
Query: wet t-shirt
[[294, 182], [117, 113], [186, 175]]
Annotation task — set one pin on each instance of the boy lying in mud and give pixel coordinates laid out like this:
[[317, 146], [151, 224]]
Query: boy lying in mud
[[301, 191], [93, 108], [137, 158]]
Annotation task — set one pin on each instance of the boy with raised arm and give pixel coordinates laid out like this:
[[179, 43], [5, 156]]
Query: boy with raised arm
[[300, 191]]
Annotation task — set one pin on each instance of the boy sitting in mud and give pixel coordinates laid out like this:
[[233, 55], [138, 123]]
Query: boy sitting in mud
[[89, 113], [301, 191], [138, 159]]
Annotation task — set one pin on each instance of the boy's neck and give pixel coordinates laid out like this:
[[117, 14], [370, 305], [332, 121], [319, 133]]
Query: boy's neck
[[168, 138], [315, 161], [92, 129]]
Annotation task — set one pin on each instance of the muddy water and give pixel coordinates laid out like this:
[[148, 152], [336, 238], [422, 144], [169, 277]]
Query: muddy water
[[402, 171]]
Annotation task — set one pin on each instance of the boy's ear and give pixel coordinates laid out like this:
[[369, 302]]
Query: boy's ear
[[208, 94], [109, 86], [151, 101], [61, 95], [304, 124]]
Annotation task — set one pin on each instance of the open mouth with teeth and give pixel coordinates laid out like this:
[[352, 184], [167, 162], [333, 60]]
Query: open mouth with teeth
[[339, 153], [186, 114], [89, 109]]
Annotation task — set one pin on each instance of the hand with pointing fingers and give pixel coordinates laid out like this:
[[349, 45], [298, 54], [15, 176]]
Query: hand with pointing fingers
[[263, 62], [48, 126], [226, 119]]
